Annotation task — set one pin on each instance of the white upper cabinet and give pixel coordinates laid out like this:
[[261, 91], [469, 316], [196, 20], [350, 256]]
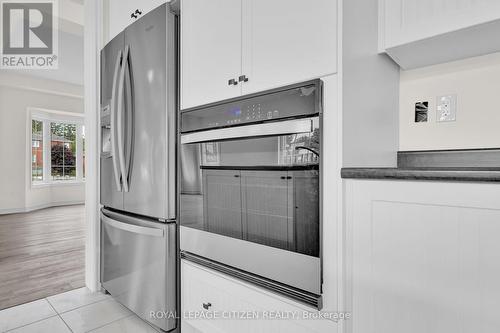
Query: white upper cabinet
[[121, 13], [210, 51], [262, 44], [411, 20], [424, 32], [287, 41]]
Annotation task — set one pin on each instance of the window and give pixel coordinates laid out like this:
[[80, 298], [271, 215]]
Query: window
[[36, 150], [63, 151], [57, 147]]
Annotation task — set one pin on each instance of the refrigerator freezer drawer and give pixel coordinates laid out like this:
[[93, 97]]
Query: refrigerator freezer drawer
[[138, 265]]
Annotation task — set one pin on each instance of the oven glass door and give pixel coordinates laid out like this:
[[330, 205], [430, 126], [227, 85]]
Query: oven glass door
[[258, 187]]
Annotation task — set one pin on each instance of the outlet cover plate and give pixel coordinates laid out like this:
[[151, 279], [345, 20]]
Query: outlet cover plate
[[446, 108]]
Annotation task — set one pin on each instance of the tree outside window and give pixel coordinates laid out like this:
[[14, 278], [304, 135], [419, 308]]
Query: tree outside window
[[63, 151]]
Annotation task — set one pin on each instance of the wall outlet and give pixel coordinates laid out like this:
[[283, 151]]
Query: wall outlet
[[446, 108]]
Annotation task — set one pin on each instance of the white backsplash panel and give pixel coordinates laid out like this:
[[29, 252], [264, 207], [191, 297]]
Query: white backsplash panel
[[474, 84]]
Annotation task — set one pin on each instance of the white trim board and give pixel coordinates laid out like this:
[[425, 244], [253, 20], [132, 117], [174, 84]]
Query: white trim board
[[43, 91], [42, 85], [59, 115], [93, 14], [38, 207]]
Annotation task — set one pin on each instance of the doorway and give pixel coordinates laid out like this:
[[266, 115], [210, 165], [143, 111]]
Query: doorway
[[43, 164]]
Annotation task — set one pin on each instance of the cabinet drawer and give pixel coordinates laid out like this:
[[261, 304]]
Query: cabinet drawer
[[202, 288], [138, 265], [227, 295]]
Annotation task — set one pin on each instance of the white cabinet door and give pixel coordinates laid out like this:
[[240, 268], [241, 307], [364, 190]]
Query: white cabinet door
[[288, 41], [118, 13], [210, 51], [407, 21], [422, 256]]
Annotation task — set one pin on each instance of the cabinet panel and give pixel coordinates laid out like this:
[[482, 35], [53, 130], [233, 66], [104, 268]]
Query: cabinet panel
[[407, 21], [423, 256], [119, 12], [210, 50], [288, 41]]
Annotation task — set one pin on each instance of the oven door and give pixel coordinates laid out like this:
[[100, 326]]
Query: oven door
[[250, 199]]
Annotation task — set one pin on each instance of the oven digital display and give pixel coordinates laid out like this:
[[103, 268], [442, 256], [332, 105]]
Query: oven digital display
[[235, 112]]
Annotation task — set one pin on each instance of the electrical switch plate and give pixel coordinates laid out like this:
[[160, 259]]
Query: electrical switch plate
[[446, 108]]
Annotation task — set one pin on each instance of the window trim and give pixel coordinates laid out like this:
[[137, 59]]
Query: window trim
[[46, 117]]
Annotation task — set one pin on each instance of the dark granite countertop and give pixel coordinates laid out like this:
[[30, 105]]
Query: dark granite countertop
[[297, 167], [467, 165], [435, 174]]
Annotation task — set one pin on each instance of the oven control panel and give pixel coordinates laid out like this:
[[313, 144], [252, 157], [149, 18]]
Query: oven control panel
[[251, 113], [303, 100]]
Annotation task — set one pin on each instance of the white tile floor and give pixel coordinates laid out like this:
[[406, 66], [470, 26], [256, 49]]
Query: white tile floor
[[75, 311]]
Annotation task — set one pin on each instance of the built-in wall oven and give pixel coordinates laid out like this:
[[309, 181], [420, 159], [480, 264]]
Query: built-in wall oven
[[250, 188]]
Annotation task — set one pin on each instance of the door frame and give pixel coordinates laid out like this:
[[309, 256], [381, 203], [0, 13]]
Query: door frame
[[93, 38]]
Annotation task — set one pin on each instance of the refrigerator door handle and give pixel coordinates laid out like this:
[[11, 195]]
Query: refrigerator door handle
[[136, 229], [121, 153], [171, 159], [129, 120], [113, 123]]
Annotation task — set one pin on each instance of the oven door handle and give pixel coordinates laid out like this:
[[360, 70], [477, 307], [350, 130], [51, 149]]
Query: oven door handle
[[247, 131]]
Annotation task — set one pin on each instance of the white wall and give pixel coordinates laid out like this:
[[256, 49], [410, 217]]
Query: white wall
[[370, 88], [17, 93], [70, 59], [476, 82]]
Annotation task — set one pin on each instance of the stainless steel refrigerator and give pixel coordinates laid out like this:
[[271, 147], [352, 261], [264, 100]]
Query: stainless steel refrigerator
[[138, 167]]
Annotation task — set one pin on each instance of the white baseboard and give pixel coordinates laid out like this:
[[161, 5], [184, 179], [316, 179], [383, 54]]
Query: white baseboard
[[37, 207]]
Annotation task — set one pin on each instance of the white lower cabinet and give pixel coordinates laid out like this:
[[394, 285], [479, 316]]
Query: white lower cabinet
[[215, 302], [187, 328], [422, 257]]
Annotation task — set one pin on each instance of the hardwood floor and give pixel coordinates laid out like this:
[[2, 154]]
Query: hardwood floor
[[41, 254]]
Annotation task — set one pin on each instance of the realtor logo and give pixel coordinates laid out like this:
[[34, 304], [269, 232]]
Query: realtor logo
[[29, 34]]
